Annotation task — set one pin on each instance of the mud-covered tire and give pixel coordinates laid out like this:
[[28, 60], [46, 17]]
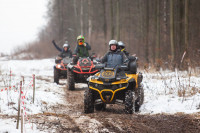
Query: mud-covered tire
[[88, 102], [140, 99], [70, 80], [129, 102], [100, 107], [56, 75]]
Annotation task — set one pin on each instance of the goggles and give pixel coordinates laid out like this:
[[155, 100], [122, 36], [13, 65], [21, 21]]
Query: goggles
[[80, 41]]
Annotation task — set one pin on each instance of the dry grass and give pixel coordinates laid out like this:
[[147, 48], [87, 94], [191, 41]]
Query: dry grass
[[184, 86]]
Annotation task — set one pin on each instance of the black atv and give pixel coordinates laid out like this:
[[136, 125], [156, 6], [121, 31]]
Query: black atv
[[79, 72], [60, 68], [114, 86]]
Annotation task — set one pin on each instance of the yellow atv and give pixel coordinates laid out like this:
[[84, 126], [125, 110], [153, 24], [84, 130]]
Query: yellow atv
[[113, 86]]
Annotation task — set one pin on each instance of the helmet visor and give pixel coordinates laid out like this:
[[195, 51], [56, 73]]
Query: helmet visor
[[80, 41]]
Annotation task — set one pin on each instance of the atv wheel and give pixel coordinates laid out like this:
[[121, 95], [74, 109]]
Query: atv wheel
[[56, 75], [100, 107], [88, 102], [70, 80], [139, 101], [129, 102]]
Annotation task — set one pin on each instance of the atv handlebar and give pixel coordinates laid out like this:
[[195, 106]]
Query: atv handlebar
[[99, 66], [103, 66]]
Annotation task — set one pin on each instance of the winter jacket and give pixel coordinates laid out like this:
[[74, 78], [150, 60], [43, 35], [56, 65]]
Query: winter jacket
[[114, 58], [63, 53], [81, 50], [125, 52], [67, 53]]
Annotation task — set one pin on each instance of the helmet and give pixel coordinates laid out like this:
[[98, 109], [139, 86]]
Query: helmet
[[121, 44], [81, 37], [65, 45], [113, 42]]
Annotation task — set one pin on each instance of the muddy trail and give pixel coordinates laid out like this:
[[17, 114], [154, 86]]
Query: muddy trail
[[70, 118]]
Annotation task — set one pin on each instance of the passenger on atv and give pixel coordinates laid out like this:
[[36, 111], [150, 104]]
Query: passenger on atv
[[122, 48], [62, 60], [81, 49], [132, 63], [64, 52]]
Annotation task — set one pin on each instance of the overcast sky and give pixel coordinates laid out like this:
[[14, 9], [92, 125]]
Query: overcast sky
[[20, 21]]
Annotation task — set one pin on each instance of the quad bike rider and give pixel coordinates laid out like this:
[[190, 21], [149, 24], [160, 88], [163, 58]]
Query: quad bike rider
[[115, 83], [121, 46], [82, 66], [132, 59], [62, 60]]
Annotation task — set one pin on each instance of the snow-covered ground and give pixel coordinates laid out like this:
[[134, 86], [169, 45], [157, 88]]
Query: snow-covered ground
[[171, 92], [165, 91], [46, 95]]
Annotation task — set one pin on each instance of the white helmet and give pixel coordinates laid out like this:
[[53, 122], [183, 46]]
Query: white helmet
[[121, 44], [65, 45], [113, 42]]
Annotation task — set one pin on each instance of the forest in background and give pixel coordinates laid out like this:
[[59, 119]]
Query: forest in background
[[159, 32]]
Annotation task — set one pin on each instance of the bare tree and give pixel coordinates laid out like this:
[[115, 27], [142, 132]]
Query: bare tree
[[111, 19], [186, 25], [157, 29], [172, 28], [118, 20], [81, 16], [89, 20]]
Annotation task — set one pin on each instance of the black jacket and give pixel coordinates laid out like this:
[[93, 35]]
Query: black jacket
[[63, 53]]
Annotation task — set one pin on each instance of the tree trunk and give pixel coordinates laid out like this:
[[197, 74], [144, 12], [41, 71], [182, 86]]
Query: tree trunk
[[147, 32], [172, 29], [111, 21], [81, 20], [130, 25], [157, 30], [165, 22], [89, 21], [76, 18], [186, 25], [118, 21], [105, 24]]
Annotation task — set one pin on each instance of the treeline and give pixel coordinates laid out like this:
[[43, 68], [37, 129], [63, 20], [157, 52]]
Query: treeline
[[158, 31]]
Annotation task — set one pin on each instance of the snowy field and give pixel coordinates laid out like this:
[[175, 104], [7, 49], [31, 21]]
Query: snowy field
[[165, 91]]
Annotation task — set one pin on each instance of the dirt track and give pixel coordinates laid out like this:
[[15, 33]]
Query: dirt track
[[70, 118]]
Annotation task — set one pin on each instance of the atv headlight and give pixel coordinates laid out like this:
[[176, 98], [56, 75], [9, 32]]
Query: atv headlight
[[59, 66], [118, 78], [95, 77]]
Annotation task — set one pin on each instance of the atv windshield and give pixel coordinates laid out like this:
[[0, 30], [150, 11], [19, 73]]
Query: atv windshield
[[67, 60]]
